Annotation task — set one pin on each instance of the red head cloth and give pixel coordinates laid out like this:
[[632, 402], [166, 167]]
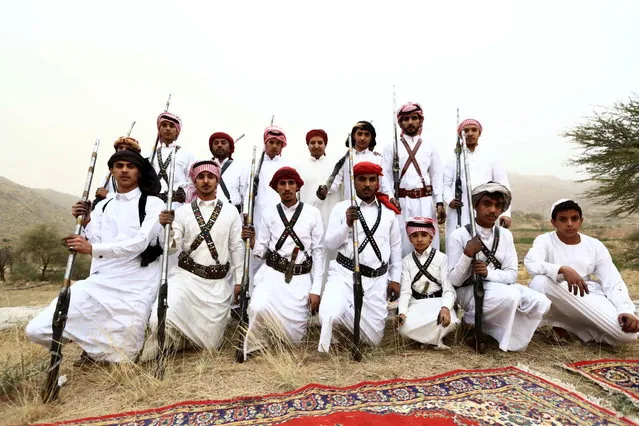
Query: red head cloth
[[222, 135], [197, 168], [409, 109], [468, 122], [368, 168], [274, 132], [317, 132], [418, 223], [286, 173], [173, 118]]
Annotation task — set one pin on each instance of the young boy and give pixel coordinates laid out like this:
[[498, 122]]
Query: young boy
[[575, 271], [427, 296]]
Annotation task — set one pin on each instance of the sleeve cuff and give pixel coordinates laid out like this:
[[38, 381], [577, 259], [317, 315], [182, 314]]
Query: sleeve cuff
[[100, 251]]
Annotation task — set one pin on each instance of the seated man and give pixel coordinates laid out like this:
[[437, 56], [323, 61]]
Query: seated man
[[207, 231], [380, 259], [512, 311], [109, 310], [426, 300], [288, 286], [575, 271]]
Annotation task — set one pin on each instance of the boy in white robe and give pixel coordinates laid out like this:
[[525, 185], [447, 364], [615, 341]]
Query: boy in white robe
[[207, 231], [425, 307], [511, 312], [288, 285], [108, 311], [380, 258], [575, 271]]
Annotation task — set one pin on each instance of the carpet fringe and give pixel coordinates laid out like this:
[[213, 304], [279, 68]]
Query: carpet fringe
[[612, 391]]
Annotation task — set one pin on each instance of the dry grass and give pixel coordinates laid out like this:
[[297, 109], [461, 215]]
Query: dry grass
[[33, 295]]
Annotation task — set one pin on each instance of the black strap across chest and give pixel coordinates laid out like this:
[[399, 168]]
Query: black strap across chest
[[114, 183], [412, 160], [164, 165], [423, 268], [222, 184], [490, 254], [370, 232], [288, 228], [205, 229]]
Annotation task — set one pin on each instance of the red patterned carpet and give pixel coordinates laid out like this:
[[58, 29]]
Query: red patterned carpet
[[463, 397], [617, 375]]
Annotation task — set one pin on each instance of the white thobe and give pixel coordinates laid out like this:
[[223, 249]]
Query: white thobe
[[421, 314], [344, 175], [428, 159], [277, 306], [483, 168], [593, 317], [512, 312], [109, 310], [315, 172], [183, 162], [337, 307], [235, 178], [198, 308]]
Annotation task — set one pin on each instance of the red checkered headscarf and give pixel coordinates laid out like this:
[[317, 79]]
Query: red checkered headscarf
[[409, 109], [419, 223], [274, 132], [173, 118], [197, 168], [468, 122]]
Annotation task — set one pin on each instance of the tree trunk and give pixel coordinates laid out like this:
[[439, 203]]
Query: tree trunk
[[2, 273]]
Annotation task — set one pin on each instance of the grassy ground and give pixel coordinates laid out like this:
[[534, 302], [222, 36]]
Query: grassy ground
[[193, 375]]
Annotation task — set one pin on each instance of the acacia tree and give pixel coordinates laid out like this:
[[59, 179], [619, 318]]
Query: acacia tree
[[609, 142], [42, 245]]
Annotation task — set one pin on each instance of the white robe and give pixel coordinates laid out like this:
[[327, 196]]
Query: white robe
[[235, 178], [315, 172], [512, 312], [431, 168], [343, 177], [592, 317], [337, 307], [483, 168], [109, 310], [421, 314], [276, 306], [198, 308]]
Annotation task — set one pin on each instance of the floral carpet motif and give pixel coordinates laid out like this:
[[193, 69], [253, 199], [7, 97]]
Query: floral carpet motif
[[618, 375], [462, 397]]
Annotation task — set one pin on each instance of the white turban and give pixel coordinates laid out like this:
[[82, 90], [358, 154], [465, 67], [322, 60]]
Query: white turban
[[491, 188]]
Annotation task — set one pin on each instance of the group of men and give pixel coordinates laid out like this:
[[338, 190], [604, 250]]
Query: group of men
[[302, 249]]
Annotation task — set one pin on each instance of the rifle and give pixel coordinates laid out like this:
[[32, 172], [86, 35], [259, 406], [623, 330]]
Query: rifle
[[244, 291], [338, 166], [458, 182], [164, 284], [478, 282], [240, 137], [157, 139], [396, 177], [106, 181], [358, 289], [52, 388]]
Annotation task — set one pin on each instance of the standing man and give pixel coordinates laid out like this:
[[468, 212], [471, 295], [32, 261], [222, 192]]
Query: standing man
[[232, 176], [380, 257], [483, 168], [287, 288], [111, 187], [208, 233], [169, 127], [589, 297], [420, 176], [109, 310], [512, 312]]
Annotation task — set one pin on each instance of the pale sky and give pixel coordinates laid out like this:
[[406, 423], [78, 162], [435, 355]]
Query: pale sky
[[74, 71]]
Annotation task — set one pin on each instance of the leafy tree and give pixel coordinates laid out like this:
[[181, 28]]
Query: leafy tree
[[609, 142], [6, 259], [42, 245]]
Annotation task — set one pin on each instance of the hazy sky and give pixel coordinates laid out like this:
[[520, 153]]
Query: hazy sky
[[74, 71]]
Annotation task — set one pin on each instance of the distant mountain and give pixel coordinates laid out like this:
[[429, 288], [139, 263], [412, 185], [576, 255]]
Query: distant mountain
[[535, 194]]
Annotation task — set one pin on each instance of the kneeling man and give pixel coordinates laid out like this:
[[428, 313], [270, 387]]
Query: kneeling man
[[512, 311], [589, 297]]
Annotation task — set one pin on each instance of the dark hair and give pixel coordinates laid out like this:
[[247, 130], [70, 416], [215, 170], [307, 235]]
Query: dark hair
[[364, 125], [565, 206], [492, 195]]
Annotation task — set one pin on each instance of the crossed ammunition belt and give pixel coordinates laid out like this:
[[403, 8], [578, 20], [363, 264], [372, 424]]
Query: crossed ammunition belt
[[281, 264], [366, 271], [426, 191], [419, 296], [212, 272]]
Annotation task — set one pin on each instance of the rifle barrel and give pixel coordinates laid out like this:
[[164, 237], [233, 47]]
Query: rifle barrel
[[358, 291]]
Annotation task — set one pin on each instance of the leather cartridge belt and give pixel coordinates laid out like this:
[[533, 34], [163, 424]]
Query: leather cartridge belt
[[420, 296], [426, 191], [281, 264], [212, 272], [366, 271]]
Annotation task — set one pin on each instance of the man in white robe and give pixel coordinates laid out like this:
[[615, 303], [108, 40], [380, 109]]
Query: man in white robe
[[575, 271], [511, 312], [108, 311], [380, 259], [420, 172], [288, 286], [233, 177], [109, 185], [208, 232], [483, 168], [425, 306]]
